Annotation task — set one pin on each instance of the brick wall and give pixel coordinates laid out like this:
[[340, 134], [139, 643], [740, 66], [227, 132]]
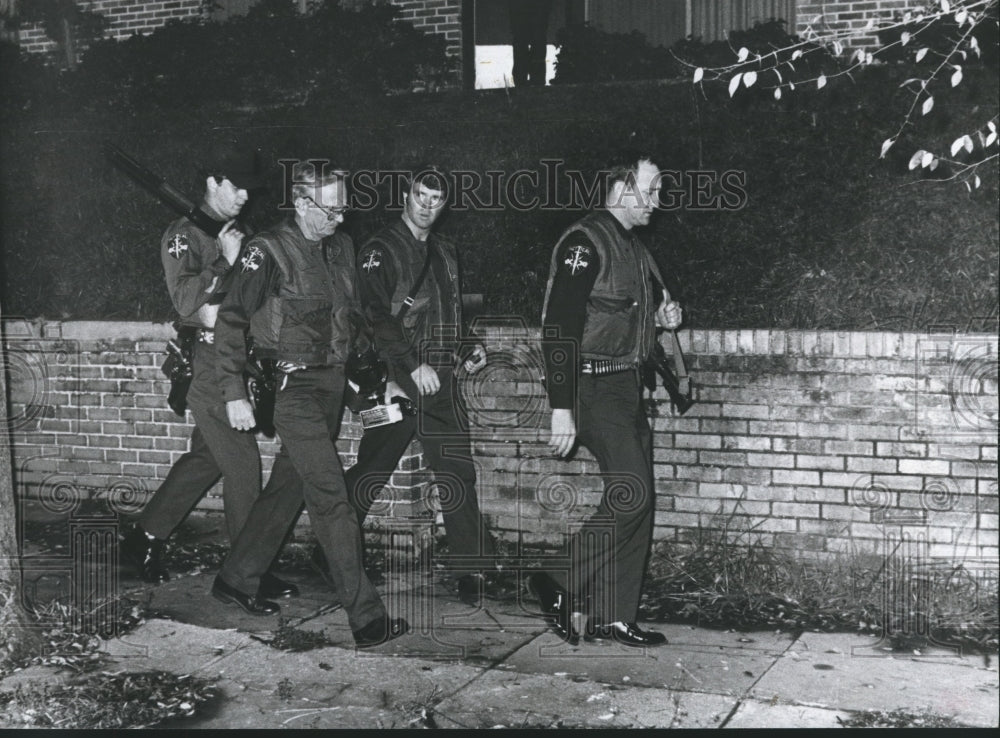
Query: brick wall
[[436, 16], [854, 16], [125, 17], [817, 442], [90, 421]]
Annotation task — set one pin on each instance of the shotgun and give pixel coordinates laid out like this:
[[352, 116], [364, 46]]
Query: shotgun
[[679, 388], [162, 190]]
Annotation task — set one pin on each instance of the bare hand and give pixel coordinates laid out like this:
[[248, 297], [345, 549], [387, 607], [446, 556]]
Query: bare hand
[[393, 390], [229, 240], [669, 315], [563, 432], [240, 413], [426, 379], [476, 360]]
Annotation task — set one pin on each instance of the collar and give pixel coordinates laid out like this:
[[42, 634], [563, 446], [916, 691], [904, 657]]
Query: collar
[[622, 230]]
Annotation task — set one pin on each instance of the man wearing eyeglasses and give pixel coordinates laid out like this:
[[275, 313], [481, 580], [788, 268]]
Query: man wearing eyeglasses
[[606, 296], [421, 343], [295, 293]]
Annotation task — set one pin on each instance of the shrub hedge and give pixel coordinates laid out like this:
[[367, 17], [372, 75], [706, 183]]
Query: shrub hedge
[[829, 235]]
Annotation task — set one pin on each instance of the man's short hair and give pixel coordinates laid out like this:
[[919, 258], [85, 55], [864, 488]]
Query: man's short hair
[[308, 179], [626, 172], [430, 176]]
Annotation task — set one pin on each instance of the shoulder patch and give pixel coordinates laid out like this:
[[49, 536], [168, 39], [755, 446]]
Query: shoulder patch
[[578, 258], [252, 259], [178, 245], [372, 260]]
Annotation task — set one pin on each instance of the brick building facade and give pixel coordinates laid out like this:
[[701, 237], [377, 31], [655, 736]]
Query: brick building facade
[[444, 17]]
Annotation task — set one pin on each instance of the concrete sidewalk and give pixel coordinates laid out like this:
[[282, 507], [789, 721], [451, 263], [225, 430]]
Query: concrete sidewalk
[[463, 667]]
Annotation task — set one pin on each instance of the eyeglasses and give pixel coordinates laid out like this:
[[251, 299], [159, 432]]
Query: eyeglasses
[[331, 213]]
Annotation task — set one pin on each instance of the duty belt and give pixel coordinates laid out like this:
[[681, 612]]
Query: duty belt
[[600, 367]]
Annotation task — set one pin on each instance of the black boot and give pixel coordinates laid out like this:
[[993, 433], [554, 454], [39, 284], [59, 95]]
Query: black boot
[[146, 553], [555, 602]]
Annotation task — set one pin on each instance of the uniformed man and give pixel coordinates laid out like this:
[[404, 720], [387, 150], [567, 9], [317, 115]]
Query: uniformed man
[[421, 343], [295, 292], [199, 271], [605, 294]]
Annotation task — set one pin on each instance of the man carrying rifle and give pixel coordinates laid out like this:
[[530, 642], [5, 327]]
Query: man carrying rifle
[[295, 291], [604, 301], [199, 271]]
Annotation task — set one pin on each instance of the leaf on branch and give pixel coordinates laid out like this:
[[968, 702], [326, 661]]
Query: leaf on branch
[[698, 74], [775, 70], [886, 145], [908, 81], [934, 163], [917, 159], [838, 48], [956, 77], [777, 93], [962, 142], [791, 86], [945, 6], [744, 52], [990, 139], [977, 181], [796, 54], [734, 84], [821, 82], [927, 160], [904, 38], [869, 57], [974, 44], [928, 105], [961, 16], [922, 53], [749, 78]]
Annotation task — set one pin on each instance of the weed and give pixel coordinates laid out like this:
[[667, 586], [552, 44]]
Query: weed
[[106, 701], [728, 579]]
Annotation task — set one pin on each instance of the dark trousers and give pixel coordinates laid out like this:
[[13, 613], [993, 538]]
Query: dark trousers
[[307, 469], [447, 451], [216, 450], [608, 554]]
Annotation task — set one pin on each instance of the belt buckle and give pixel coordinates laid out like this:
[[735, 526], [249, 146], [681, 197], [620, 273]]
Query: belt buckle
[[206, 335]]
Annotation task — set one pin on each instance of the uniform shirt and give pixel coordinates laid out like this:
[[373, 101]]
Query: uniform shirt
[[259, 277], [196, 272], [378, 280], [578, 264]]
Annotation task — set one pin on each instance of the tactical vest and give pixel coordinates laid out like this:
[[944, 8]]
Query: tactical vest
[[621, 321], [307, 321], [429, 309]]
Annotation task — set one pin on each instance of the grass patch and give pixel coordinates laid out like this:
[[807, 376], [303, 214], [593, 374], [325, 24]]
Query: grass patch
[[729, 579], [107, 701]]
